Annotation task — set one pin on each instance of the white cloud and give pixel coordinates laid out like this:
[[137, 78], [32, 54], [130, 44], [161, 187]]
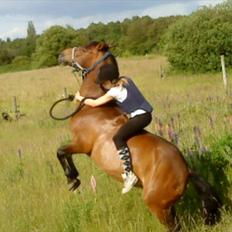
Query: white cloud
[[44, 22], [14, 32], [209, 2], [177, 8], [166, 10], [14, 26]]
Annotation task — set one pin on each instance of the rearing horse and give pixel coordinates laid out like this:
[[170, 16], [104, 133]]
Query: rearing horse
[[162, 171]]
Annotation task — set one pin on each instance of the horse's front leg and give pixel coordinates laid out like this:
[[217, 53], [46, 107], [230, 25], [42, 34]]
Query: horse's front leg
[[64, 155]]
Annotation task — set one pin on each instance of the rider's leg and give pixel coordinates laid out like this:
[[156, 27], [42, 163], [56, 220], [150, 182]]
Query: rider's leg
[[130, 128]]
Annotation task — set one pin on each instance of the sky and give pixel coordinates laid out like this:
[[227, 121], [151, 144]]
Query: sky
[[15, 14]]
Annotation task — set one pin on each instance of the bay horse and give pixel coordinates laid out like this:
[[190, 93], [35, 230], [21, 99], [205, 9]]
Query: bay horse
[[160, 166]]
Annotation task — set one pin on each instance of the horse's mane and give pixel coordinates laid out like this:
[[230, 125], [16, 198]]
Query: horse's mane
[[91, 44], [105, 47]]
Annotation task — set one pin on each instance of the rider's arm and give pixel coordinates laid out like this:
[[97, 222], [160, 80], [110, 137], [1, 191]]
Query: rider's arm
[[95, 102]]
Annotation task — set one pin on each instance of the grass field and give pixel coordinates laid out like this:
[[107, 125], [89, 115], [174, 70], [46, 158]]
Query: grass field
[[33, 194]]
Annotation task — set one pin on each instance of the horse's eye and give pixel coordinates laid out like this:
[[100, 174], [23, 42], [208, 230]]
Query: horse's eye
[[90, 51]]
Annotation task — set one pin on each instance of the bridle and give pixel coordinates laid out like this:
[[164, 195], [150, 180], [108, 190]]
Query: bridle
[[77, 67]]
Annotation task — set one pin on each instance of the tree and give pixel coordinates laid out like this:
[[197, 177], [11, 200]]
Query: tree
[[51, 43], [31, 33], [196, 42], [136, 36], [30, 39]]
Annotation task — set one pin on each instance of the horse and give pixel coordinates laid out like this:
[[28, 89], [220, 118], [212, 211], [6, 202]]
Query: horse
[[160, 166]]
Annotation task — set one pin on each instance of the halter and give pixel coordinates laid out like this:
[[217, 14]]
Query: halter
[[77, 67]]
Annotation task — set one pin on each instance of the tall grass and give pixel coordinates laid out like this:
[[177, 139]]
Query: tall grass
[[13, 68], [33, 192]]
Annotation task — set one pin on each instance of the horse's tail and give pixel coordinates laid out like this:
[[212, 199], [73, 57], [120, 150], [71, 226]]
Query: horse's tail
[[210, 200]]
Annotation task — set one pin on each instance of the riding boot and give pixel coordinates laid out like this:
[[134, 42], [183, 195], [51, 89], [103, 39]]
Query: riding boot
[[130, 179]]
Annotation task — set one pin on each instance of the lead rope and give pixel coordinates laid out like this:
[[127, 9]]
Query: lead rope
[[74, 71]]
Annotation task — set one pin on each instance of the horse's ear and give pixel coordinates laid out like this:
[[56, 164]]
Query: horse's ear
[[102, 46]]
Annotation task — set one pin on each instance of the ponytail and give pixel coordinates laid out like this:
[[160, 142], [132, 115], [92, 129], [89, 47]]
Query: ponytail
[[121, 81]]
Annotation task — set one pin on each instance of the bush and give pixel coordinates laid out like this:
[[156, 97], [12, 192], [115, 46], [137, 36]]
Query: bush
[[44, 60], [214, 166], [21, 60], [19, 63], [50, 44], [195, 43]]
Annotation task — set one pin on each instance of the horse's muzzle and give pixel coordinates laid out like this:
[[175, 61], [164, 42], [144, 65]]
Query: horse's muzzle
[[61, 59]]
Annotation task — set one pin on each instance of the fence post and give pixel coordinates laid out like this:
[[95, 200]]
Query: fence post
[[20, 154], [16, 106], [161, 72], [21, 171], [65, 93], [224, 71]]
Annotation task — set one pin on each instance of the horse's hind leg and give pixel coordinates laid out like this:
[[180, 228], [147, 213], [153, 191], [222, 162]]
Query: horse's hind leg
[[163, 211], [166, 216], [64, 155]]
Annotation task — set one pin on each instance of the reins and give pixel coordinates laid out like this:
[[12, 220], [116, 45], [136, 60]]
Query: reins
[[69, 98], [77, 68]]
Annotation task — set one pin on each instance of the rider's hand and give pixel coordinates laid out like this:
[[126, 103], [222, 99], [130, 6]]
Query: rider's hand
[[78, 97]]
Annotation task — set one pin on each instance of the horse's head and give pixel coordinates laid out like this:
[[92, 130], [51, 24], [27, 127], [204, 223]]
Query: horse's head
[[85, 55], [88, 59]]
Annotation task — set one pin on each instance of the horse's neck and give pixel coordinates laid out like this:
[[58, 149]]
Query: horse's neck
[[105, 118], [89, 88], [91, 123]]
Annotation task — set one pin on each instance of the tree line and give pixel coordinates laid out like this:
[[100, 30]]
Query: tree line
[[136, 36], [191, 43]]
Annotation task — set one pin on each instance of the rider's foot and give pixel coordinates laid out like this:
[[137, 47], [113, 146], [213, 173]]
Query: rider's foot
[[73, 185], [129, 181]]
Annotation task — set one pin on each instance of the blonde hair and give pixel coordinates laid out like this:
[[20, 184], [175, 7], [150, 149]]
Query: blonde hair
[[122, 80]]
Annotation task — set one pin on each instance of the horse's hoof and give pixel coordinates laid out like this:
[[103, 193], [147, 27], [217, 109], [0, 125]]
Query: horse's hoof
[[74, 185]]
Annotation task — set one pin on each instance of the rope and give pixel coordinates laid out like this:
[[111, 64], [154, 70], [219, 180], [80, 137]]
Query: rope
[[69, 98]]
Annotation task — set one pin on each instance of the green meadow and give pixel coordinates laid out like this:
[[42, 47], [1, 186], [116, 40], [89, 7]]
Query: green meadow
[[193, 110]]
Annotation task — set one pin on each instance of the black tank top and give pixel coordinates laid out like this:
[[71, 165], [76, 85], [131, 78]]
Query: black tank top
[[134, 100]]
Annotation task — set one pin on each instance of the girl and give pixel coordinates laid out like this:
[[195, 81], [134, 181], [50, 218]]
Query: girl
[[132, 102]]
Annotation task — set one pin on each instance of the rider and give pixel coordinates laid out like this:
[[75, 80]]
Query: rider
[[132, 102]]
